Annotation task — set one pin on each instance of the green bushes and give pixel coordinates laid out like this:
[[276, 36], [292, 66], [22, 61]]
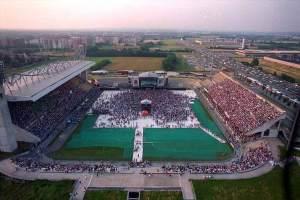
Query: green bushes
[[288, 78], [170, 62], [96, 52], [101, 64]]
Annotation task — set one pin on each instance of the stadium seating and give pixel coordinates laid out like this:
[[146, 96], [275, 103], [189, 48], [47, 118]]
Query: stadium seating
[[240, 108]]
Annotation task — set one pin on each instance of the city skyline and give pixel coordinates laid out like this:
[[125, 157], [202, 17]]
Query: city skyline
[[202, 15]]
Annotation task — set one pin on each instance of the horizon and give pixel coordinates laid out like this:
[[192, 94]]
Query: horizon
[[264, 16]]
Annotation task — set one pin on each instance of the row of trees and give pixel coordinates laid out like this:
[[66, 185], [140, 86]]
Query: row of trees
[[101, 64], [96, 52]]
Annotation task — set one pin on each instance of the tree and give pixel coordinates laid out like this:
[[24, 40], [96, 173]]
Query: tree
[[255, 62], [170, 62], [101, 64], [288, 78]]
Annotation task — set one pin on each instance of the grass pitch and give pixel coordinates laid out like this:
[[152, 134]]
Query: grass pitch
[[186, 143], [89, 153], [37, 190], [88, 143], [182, 144], [266, 187]]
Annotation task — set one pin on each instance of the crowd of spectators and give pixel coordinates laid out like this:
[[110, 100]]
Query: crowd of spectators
[[33, 165], [125, 106], [225, 60], [240, 108], [41, 117], [253, 158]]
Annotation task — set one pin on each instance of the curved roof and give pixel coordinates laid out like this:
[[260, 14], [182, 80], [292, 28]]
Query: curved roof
[[146, 101], [149, 74]]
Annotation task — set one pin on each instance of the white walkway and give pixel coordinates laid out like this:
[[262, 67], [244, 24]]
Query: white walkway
[[138, 145], [212, 134]]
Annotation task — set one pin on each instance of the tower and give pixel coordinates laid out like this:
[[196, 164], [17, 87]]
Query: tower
[[7, 131], [243, 44]]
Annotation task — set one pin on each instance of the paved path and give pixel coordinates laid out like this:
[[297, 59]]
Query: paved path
[[127, 181], [81, 186], [138, 145]]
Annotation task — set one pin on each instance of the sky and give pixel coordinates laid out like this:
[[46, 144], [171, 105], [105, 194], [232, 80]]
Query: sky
[[202, 15]]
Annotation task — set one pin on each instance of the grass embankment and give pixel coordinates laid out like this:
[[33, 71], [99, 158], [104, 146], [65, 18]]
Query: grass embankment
[[266, 187], [131, 63], [89, 153], [37, 190], [105, 195]]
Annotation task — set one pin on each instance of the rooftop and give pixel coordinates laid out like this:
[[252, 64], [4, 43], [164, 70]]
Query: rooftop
[[36, 83]]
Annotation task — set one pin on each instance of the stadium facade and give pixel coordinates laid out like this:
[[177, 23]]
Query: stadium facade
[[148, 80]]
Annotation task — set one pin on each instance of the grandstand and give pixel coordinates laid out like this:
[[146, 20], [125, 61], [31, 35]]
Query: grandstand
[[34, 102], [246, 114]]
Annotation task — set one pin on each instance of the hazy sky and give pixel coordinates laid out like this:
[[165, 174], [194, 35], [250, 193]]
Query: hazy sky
[[212, 15]]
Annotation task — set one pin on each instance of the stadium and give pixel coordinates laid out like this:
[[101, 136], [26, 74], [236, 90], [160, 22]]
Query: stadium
[[153, 124]]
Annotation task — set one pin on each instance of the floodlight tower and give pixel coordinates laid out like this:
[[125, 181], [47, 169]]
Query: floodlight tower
[[7, 131]]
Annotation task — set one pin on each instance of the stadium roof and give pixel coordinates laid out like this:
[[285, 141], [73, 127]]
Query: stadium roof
[[34, 84]]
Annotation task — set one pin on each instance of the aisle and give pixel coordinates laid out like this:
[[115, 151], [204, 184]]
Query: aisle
[[138, 145]]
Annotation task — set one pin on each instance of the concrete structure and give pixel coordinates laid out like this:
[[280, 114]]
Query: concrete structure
[[7, 136], [270, 128], [281, 62], [34, 84], [262, 53], [31, 86], [290, 106]]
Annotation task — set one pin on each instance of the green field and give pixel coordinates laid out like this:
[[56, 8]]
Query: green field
[[89, 153], [88, 143], [105, 195], [131, 63], [266, 187], [186, 143], [34, 190], [182, 144], [204, 118]]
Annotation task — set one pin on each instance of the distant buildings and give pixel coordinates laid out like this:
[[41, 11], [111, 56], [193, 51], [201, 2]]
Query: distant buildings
[[221, 43], [12, 42], [44, 42], [117, 40]]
